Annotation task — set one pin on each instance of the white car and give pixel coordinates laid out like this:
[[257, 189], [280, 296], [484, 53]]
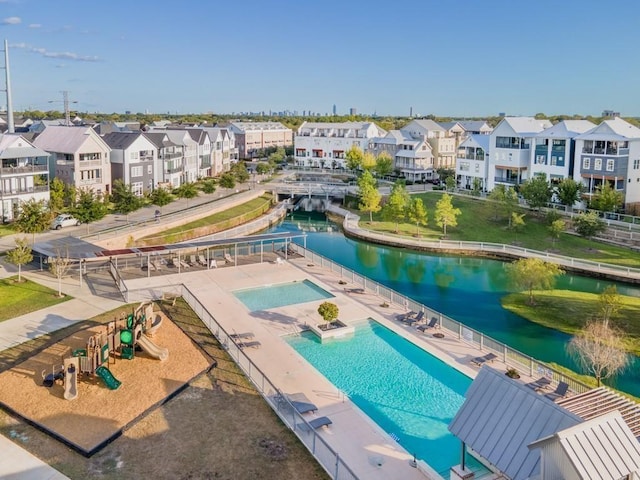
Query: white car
[[64, 220]]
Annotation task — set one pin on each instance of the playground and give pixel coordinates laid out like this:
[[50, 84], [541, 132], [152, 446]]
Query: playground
[[89, 387]]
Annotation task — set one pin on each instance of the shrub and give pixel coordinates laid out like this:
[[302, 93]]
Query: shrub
[[328, 311]]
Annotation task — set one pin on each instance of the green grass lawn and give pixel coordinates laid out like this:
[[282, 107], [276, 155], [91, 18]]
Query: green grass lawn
[[477, 222], [20, 298], [568, 311]]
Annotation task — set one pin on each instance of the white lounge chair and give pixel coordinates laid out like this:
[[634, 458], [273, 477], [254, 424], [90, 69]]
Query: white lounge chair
[[228, 258], [192, 260], [202, 261], [214, 263]]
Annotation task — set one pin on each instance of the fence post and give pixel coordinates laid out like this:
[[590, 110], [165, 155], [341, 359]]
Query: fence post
[[481, 341], [337, 463], [459, 330]]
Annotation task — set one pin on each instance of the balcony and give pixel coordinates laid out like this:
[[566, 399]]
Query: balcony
[[172, 155], [169, 171], [507, 180], [146, 158], [83, 164], [24, 191], [30, 169]]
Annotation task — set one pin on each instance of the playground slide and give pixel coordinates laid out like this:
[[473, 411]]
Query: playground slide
[[152, 349], [71, 366], [107, 377]]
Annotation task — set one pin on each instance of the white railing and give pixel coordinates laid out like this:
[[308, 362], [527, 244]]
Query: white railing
[[326, 456], [522, 362]]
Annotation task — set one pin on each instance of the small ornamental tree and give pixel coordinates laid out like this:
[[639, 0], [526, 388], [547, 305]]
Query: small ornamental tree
[[328, 311], [20, 255], [588, 224], [446, 214], [533, 274]]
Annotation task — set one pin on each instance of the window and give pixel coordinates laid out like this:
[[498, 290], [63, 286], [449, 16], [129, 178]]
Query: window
[[136, 188], [588, 146], [597, 164], [541, 159], [136, 171], [134, 155], [464, 166], [586, 163], [636, 164], [611, 163], [477, 168], [150, 169]]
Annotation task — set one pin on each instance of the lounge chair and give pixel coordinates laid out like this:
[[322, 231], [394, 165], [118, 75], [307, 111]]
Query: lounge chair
[[202, 261], [489, 357], [560, 391], [243, 345], [433, 323], [418, 318], [542, 382], [242, 336], [403, 317], [316, 423], [228, 258], [213, 264], [184, 264], [303, 407], [192, 260]]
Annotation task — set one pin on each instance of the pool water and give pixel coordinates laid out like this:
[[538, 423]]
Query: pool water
[[280, 295], [409, 393]]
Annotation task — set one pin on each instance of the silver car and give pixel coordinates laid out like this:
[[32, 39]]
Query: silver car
[[64, 220]]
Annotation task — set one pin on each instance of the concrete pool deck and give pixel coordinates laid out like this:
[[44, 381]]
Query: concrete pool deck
[[370, 452]]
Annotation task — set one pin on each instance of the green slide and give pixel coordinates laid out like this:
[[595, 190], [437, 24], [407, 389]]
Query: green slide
[[107, 377]]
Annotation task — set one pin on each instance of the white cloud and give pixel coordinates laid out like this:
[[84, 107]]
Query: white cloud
[[35, 25], [64, 55], [11, 21]]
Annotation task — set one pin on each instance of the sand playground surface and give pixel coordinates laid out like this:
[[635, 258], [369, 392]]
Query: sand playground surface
[[98, 414]]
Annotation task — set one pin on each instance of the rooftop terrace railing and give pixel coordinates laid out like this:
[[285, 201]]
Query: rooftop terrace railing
[[326, 456]]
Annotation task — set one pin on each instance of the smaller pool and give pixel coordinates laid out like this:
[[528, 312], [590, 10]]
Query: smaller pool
[[280, 295]]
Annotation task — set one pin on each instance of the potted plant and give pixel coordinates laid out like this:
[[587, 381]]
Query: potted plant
[[329, 312], [512, 373]]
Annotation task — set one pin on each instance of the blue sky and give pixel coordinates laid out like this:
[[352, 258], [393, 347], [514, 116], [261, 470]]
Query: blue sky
[[462, 58]]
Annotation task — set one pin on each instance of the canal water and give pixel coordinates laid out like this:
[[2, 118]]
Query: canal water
[[464, 288]]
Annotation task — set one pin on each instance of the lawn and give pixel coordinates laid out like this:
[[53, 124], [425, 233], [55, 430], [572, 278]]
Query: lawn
[[20, 298], [218, 427], [568, 311], [213, 223], [478, 222]]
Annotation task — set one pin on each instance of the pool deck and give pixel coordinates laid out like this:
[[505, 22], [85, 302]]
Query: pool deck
[[368, 450]]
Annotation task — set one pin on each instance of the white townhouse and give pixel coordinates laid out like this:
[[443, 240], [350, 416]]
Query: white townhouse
[[168, 159], [510, 147], [78, 156], [324, 144], [553, 149], [473, 161], [412, 157], [24, 174], [610, 153], [223, 150], [204, 154], [189, 149], [475, 127], [133, 160], [443, 143]]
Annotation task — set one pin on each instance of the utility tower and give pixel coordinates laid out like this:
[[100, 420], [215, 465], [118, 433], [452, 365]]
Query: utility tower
[[65, 102]]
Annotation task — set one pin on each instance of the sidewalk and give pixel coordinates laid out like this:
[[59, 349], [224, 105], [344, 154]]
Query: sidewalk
[[18, 464]]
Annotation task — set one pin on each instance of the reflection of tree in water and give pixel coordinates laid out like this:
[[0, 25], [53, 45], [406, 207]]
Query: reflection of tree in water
[[443, 275], [497, 276], [392, 262], [367, 255], [416, 270]]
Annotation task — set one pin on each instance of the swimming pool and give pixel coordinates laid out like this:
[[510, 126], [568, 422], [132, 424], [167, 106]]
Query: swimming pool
[[409, 393], [280, 295]]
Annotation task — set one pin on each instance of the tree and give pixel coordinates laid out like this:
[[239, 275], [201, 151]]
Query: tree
[[59, 266], [533, 274], [328, 311], [446, 214], [21, 255], [187, 190], [161, 197], [354, 157], [556, 228], [368, 194], [70, 195], [537, 191], [384, 164], [599, 350], [444, 173], [517, 222], [277, 156], [417, 213], [239, 171], [395, 209], [263, 168], [34, 217], [588, 224], [368, 161], [89, 208], [568, 191], [496, 197], [476, 186], [208, 186], [607, 199], [610, 303], [56, 196], [124, 200], [450, 182], [227, 180]]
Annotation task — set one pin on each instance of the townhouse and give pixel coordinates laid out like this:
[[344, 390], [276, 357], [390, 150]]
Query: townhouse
[[133, 160], [610, 152], [324, 144], [24, 174], [412, 157], [168, 158], [203, 151], [223, 149], [510, 150], [78, 156], [252, 137], [189, 150], [443, 143], [473, 161]]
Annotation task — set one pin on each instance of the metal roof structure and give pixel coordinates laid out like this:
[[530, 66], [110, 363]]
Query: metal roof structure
[[600, 449], [500, 417], [597, 402]]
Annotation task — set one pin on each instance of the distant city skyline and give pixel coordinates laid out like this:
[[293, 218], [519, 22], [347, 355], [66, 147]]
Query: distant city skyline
[[458, 59]]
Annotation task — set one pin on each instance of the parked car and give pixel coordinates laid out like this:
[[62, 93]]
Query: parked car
[[64, 220]]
